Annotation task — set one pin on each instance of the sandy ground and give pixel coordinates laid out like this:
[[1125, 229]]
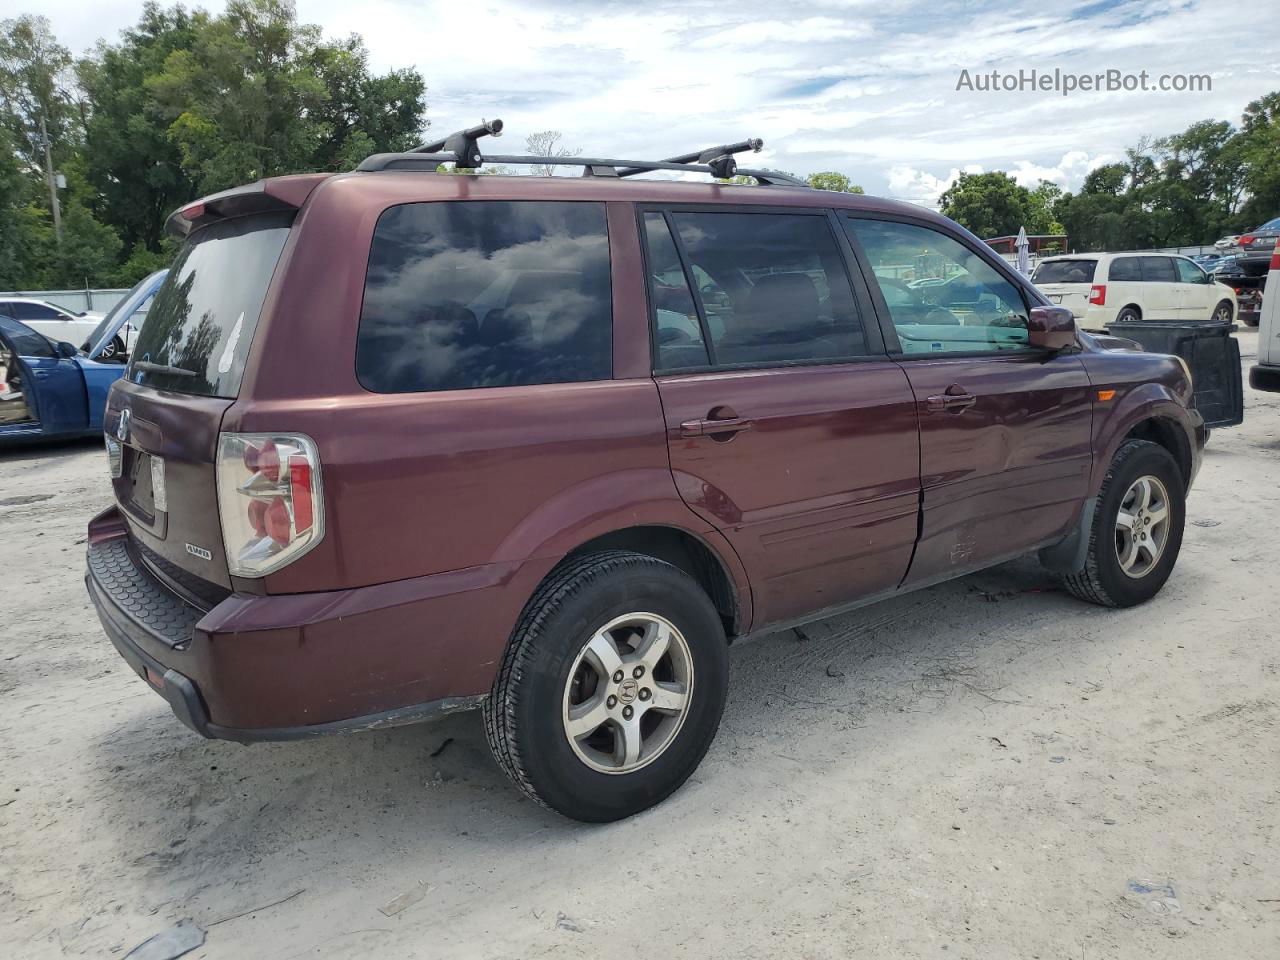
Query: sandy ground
[[986, 769]]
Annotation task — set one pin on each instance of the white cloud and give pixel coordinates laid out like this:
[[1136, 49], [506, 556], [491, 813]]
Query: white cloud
[[867, 87]]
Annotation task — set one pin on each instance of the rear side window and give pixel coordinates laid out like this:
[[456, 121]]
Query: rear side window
[[485, 293], [1158, 270], [773, 287], [678, 331], [1125, 269], [202, 319], [1065, 271]]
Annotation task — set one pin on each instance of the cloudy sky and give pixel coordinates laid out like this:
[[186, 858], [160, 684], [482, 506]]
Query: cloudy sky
[[866, 87]]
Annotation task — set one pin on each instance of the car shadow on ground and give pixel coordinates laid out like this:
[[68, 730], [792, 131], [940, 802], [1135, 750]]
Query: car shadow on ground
[[45, 451], [192, 813]]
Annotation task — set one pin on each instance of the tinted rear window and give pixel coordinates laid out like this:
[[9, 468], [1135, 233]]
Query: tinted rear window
[[203, 317], [1125, 268], [465, 294], [1158, 270], [1065, 271]]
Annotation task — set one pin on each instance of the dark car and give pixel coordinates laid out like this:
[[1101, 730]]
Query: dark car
[[1253, 250], [393, 444]]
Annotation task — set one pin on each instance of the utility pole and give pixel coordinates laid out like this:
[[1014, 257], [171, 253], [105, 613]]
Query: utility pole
[[52, 181]]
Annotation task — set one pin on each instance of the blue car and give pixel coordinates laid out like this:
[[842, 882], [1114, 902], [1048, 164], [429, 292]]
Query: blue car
[[50, 389]]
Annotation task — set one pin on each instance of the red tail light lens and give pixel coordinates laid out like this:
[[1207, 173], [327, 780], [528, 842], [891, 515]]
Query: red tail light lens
[[1245, 240], [1275, 259], [1098, 295], [269, 500]]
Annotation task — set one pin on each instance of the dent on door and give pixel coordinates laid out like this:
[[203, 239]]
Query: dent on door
[[1005, 473]]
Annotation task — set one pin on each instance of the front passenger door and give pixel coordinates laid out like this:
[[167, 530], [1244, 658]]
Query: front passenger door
[[1005, 451]]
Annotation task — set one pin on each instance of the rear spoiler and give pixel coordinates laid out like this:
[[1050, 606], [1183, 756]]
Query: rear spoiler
[[263, 196]]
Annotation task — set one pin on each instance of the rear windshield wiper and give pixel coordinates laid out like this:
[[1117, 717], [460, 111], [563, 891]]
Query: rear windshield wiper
[[146, 366]]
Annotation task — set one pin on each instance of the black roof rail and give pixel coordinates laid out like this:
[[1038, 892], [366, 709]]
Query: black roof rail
[[462, 150]]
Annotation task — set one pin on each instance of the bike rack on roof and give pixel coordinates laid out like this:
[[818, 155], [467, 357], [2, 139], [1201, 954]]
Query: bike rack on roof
[[463, 151]]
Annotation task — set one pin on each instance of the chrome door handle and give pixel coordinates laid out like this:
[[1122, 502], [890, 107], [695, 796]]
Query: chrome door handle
[[711, 428], [950, 402]]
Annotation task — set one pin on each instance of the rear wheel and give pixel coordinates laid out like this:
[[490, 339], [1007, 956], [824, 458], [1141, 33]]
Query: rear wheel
[[1128, 315], [612, 688], [1222, 313], [1137, 528]]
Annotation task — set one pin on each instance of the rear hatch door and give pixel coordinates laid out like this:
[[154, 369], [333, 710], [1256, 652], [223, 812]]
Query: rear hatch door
[[1067, 282], [163, 417]]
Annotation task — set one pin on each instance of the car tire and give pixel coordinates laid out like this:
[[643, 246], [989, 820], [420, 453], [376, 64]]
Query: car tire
[[1124, 567], [554, 684], [1222, 313], [1128, 315]]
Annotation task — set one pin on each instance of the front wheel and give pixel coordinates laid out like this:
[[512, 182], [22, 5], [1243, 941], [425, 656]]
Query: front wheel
[[1137, 528], [612, 688], [112, 351]]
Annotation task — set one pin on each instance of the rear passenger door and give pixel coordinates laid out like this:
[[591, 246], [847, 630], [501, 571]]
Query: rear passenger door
[[1005, 450], [789, 428]]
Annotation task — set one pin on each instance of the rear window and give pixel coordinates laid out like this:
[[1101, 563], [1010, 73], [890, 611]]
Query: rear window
[[486, 293], [1065, 271], [202, 319]]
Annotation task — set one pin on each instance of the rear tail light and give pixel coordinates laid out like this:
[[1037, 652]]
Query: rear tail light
[[1098, 295], [1245, 240], [1275, 259], [268, 500]]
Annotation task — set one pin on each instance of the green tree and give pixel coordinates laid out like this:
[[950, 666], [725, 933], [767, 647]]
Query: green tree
[[35, 97], [989, 204], [830, 180], [258, 94], [1042, 203], [131, 162]]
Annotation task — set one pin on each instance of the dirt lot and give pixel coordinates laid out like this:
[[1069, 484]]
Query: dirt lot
[[986, 769]]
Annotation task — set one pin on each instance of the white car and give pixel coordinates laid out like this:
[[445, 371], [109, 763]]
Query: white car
[[1265, 374], [1102, 288], [1226, 243], [60, 324]]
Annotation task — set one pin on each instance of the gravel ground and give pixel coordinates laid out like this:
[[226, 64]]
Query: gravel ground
[[985, 769]]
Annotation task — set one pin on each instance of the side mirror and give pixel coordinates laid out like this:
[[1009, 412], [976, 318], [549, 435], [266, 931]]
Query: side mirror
[[1051, 328], [65, 350]]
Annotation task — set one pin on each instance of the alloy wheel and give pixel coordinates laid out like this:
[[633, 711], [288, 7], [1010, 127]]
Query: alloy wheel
[[1142, 527], [628, 693]]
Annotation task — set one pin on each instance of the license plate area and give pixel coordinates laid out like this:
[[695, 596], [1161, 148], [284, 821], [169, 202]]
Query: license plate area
[[1055, 297], [140, 488]]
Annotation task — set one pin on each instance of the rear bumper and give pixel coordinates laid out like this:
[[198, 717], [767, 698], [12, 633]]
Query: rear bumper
[[1265, 376], [302, 665]]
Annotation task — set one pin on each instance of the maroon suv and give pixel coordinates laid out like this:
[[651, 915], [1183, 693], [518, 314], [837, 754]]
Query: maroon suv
[[394, 443]]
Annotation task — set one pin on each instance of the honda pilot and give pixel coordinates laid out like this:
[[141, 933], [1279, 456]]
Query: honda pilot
[[394, 443]]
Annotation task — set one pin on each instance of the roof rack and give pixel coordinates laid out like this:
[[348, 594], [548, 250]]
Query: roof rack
[[462, 150]]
